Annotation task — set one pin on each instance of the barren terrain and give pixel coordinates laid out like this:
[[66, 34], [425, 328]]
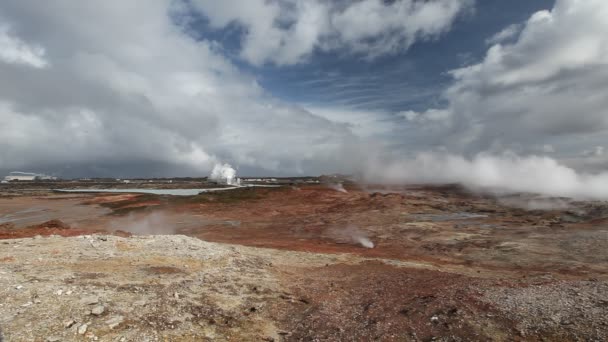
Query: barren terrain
[[295, 263]]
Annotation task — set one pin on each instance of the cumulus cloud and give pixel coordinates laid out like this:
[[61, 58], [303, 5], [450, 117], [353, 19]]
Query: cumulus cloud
[[539, 88], [504, 35], [597, 151], [105, 90], [14, 50], [545, 88], [289, 31], [97, 89]]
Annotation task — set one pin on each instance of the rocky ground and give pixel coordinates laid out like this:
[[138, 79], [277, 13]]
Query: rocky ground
[[446, 265]]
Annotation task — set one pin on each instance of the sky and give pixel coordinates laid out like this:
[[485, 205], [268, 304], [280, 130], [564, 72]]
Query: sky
[[304, 87]]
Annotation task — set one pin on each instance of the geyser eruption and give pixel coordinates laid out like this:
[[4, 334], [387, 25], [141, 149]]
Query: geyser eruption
[[224, 174]]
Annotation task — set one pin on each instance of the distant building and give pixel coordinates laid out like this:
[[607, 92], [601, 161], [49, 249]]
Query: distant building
[[27, 176]]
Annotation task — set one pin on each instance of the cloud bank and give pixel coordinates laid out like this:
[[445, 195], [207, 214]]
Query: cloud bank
[[289, 31], [544, 88], [97, 89], [122, 83]]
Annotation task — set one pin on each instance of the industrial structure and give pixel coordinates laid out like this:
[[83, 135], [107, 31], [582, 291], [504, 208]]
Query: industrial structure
[[27, 176]]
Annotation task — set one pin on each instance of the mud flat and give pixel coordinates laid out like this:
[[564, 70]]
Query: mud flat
[[182, 289], [287, 264]]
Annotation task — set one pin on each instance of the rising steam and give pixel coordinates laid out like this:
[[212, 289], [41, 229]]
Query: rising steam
[[151, 224], [505, 173], [224, 174], [351, 234], [337, 186]]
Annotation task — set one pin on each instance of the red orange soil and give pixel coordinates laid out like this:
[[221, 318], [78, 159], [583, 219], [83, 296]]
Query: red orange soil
[[446, 263]]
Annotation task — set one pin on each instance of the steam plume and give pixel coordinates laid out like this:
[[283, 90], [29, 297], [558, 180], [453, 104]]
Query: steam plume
[[337, 186], [224, 174], [351, 234], [154, 223], [505, 173]]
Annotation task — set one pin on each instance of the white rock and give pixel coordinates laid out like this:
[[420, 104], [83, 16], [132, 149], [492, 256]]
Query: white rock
[[98, 310], [90, 300], [67, 324], [114, 321], [82, 329]]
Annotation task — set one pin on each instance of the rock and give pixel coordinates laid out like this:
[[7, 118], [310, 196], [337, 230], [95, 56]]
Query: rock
[[53, 339], [82, 329], [98, 310], [18, 287], [140, 303], [176, 295], [59, 292], [114, 321], [67, 324], [91, 300]]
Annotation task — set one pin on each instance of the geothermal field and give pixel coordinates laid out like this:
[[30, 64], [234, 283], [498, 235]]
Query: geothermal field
[[298, 259]]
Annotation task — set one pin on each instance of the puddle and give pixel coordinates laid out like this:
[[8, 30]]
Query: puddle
[[445, 217], [23, 212], [173, 192]]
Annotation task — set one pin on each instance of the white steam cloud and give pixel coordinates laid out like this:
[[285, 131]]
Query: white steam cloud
[[351, 234], [151, 224], [224, 174], [502, 173], [536, 203], [337, 186]]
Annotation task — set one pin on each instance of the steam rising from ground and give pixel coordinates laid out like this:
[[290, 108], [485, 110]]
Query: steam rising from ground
[[351, 234], [536, 203], [337, 186], [152, 224], [224, 174], [506, 173]]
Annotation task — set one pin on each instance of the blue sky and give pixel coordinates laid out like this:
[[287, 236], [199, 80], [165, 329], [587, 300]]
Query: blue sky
[[409, 80]]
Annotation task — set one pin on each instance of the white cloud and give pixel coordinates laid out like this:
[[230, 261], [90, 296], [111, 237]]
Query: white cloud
[[546, 87], [597, 151], [506, 34], [543, 91], [289, 31], [14, 50], [547, 148], [116, 92]]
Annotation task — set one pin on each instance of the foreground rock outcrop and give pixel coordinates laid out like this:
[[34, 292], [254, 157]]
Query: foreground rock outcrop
[[178, 288], [136, 289]]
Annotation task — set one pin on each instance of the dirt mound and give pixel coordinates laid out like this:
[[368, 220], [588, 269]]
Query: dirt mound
[[52, 227], [52, 224]]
